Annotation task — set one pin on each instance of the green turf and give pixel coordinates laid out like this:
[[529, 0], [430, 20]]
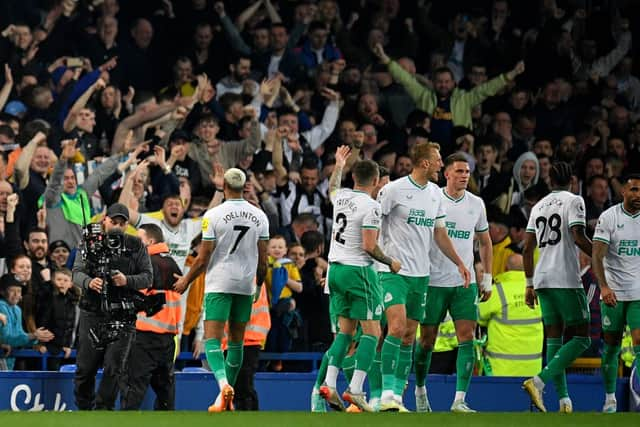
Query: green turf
[[302, 419]]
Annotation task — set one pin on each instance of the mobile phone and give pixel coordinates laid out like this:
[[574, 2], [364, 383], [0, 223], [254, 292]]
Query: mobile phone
[[74, 61]]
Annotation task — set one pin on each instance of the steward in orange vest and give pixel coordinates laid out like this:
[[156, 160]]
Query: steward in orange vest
[[152, 356]]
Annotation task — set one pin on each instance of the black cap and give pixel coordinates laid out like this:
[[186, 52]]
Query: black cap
[[179, 134], [9, 280], [58, 244], [118, 209]]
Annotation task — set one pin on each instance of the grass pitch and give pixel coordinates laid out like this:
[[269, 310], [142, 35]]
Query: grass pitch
[[302, 419]]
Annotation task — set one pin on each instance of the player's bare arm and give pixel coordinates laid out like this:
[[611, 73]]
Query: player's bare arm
[[579, 235], [597, 257], [370, 246], [261, 270], [530, 243], [486, 256], [200, 263]]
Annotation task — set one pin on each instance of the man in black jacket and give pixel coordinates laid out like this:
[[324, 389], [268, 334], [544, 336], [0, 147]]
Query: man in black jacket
[[130, 271]]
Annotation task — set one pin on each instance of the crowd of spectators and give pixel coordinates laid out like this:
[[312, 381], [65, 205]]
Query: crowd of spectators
[[149, 101]]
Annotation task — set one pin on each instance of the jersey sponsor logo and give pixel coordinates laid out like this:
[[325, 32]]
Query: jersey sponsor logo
[[456, 234], [417, 217], [205, 224], [628, 248], [388, 297]]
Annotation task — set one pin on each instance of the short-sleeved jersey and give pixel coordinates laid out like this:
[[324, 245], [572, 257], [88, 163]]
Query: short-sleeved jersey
[[551, 220], [409, 214], [352, 211], [465, 217], [235, 226], [179, 238], [621, 231]]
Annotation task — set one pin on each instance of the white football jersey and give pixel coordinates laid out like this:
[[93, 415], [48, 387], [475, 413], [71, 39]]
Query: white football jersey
[[621, 231], [551, 220], [235, 226], [178, 239], [465, 216], [352, 211], [409, 214]]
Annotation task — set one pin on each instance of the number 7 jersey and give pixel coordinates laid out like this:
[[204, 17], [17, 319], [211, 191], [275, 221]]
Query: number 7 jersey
[[352, 211], [551, 220], [235, 227]]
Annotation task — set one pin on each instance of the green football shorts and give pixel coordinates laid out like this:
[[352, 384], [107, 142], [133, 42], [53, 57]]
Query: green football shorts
[[408, 291], [461, 302], [615, 318], [568, 306], [355, 292], [232, 307]]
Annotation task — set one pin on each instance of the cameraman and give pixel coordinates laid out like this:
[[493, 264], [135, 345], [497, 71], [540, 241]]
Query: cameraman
[[130, 270]]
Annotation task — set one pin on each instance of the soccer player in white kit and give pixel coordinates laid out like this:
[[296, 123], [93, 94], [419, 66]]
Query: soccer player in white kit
[[356, 296], [466, 219], [413, 217], [234, 252], [556, 226], [616, 264]]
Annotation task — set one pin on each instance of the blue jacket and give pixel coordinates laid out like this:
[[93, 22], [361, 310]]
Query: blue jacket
[[12, 333], [330, 53]]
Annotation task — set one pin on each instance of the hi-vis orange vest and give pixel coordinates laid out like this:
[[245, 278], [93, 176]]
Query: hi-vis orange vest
[[259, 323], [167, 320]]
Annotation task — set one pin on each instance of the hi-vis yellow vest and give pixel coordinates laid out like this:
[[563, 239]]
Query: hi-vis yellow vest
[[515, 332]]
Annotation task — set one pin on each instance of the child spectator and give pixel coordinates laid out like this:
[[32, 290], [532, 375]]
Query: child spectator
[[60, 317], [283, 278], [12, 334]]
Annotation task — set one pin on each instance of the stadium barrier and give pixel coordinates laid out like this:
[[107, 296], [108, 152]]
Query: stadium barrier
[[196, 389]]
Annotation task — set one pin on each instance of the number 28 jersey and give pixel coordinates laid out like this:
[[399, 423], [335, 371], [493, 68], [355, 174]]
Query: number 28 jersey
[[352, 211], [551, 220], [235, 227]]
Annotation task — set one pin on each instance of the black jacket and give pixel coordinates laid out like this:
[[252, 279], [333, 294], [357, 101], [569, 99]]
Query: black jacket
[[60, 318], [134, 263]]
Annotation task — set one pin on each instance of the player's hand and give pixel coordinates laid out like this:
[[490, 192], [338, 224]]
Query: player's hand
[[119, 279], [530, 298], [198, 349], [181, 284], [256, 294], [485, 295], [608, 296], [486, 286], [395, 266], [96, 284], [342, 153], [466, 276]]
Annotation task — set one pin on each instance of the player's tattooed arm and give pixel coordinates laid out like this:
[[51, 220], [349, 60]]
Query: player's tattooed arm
[[379, 256], [342, 153]]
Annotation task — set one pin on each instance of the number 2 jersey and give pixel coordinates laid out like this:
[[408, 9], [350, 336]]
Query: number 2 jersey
[[235, 227], [551, 220], [352, 211], [621, 231]]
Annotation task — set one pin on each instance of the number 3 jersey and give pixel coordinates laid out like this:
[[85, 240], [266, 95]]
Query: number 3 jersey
[[551, 220], [352, 211], [235, 227], [621, 231]]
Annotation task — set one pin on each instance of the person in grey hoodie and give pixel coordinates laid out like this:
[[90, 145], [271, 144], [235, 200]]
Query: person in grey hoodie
[[526, 172]]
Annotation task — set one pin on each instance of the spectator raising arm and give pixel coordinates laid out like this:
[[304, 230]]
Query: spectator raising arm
[[8, 85], [70, 121], [21, 169]]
